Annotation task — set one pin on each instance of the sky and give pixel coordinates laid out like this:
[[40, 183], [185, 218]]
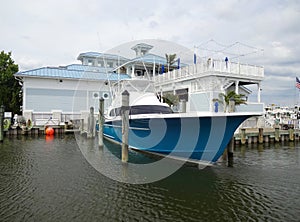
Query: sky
[[54, 33]]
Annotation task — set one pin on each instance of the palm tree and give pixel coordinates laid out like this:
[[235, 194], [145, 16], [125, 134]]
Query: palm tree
[[171, 99], [231, 95], [171, 59]]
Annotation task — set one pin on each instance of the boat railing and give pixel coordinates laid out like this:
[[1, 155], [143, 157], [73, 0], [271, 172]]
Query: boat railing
[[212, 66], [40, 118]]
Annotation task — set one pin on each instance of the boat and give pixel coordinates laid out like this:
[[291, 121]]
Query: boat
[[155, 128]]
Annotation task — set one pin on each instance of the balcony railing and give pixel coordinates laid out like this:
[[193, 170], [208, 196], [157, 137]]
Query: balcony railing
[[215, 67]]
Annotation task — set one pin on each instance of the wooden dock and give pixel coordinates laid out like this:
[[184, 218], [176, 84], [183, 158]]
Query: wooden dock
[[265, 135], [35, 130]]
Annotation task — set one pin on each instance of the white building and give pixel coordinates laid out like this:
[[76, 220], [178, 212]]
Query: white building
[[67, 92]]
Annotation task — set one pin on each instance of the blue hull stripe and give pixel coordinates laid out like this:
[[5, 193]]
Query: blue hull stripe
[[199, 138]]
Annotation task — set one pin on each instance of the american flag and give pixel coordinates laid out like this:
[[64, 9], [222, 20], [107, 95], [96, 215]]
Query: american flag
[[297, 83]]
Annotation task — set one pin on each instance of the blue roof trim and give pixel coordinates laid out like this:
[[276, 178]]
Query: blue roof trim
[[73, 72], [151, 58]]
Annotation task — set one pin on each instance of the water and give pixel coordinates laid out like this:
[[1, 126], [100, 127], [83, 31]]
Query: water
[[50, 180]]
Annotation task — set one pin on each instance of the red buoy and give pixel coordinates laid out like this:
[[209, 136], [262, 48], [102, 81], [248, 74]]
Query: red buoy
[[49, 131]]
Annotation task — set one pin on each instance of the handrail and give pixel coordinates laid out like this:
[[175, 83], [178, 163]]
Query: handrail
[[201, 69]]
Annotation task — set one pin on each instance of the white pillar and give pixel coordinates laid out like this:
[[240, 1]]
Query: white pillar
[[154, 71], [258, 92], [127, 70], [237, 87], [132, 70]]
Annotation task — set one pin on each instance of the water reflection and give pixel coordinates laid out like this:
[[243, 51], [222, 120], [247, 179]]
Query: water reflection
[[52, 181]]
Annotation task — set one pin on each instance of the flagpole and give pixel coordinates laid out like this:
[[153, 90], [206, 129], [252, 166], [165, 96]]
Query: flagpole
[[298, 87], [195, 60]]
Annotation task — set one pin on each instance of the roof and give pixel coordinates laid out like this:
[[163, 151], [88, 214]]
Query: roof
[[100, 55], [142, 46], [74, 71], [150, 58]]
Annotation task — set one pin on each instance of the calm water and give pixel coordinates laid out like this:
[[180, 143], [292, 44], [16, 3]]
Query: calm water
[[50, 180]]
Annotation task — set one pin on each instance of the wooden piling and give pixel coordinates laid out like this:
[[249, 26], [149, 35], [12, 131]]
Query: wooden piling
[[125, 125], [81, 126], [277, 134], [266, 139], [2, 109], [260, 135], [291, 134], [91, 124], [249, 139], [101, 122], [230, 148], [243, 136]]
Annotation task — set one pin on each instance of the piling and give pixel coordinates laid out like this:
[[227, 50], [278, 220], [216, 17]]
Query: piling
[[125, 125], [266, 139], [230, 148], [101, 122], [277, 134], [249, 139], [243, 136], [291, 134], [81, 126], [260, 135], [2, 109], [91, 124]]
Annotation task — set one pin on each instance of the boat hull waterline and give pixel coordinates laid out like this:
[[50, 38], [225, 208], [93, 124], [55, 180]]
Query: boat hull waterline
[[195, 138]]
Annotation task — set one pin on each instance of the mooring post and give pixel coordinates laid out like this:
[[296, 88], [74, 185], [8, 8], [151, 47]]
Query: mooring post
[[243, 136], [230, 148], [91, 122], [125, 125], [291, 134], [101, 122], [260, 135], [276, 134], [2, 109], [81, 126]]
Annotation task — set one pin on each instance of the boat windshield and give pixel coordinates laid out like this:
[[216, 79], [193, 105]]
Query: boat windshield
[[143, 109]]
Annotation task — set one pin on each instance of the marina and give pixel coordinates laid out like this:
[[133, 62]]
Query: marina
[[177, 107]]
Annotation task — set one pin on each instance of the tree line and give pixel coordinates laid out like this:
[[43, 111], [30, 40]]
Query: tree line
[[10, 90]]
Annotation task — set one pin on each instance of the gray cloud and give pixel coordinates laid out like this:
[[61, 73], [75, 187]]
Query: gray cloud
[[52, 33]]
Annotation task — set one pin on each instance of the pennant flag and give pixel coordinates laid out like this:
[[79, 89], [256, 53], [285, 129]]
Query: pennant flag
[[195, 58], [178, 63], [297, 83]]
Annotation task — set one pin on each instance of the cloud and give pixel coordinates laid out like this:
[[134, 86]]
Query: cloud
[[52, 33]]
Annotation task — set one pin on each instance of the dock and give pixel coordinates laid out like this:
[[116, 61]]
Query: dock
[[36, 130], [265, 135]]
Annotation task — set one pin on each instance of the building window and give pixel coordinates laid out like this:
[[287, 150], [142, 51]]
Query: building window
[[100, 64]]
